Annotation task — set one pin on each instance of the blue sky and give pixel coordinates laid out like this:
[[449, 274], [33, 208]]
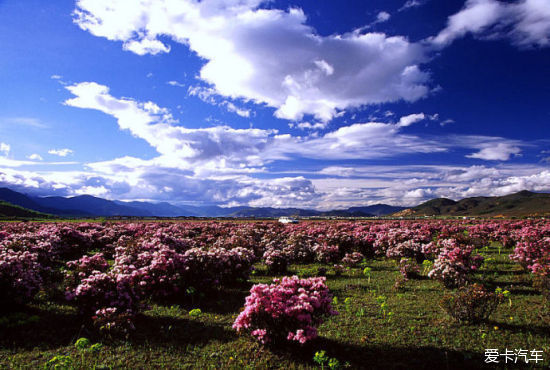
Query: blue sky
[[314, 104]]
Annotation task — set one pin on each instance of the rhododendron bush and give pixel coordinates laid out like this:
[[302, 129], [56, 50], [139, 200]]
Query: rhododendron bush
[[290, 308], [20, 275], [112, 271], [454, 263]]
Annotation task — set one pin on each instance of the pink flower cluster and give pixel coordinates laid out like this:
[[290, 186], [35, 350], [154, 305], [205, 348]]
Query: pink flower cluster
[[352, 259], [289, 309], [454, 263], [20, 275], [326, 253], [148, 270]]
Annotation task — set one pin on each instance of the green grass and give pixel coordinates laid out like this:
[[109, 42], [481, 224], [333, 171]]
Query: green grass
[[417, 334]]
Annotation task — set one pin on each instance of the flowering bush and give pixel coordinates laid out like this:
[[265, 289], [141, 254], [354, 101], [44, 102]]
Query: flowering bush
[[112, 320], [352, 259], [454, 263], [325, 253], [203, 268], [290, 308], [20, 275], [470, 304], [276, 261]]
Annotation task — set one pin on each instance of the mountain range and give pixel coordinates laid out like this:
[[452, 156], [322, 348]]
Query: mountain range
[[90, 206], [523, 203]]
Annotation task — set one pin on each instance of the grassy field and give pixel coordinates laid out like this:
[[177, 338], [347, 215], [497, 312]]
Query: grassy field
[[412, 332]]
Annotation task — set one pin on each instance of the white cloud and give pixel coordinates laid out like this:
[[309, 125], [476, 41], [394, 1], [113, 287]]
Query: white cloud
[[175, 83], [410, 119], [222, 148], [525, 22], [268, 56], [56, 77], [310, 126], [217, 164], [383, 17], [4, 149], [178, 146], [35, 157], [413, 184], [498, 152], [411, 4], [233, 108], [60, 152]]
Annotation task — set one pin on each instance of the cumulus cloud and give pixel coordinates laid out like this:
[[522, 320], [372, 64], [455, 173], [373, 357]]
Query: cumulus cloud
[[60, 152], [220, 165], [309, 125], [525, 22], [410, 119], [222, 148], [35, 157], [410, 185], [498, 152], [268, 56]]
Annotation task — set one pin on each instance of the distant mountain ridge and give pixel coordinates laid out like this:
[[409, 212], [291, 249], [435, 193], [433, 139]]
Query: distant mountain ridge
[[90, 206], [523, 203]]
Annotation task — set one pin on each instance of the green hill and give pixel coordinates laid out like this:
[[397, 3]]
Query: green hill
[[10, 211], [524, 203]]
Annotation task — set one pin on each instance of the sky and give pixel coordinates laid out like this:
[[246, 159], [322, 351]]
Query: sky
[[312, 104]]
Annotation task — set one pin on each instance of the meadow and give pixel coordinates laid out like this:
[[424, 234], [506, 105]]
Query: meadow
[[368, 294]]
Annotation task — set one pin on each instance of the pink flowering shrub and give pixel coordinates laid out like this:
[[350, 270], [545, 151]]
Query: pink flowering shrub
[[112, 320], [289, 309], [215, 266], [78, 269], [20, 275], [533, 255], [276, 261], [352, 259], [107, 289], [159, 268], [406, 249], [325, 253], [454, 263]]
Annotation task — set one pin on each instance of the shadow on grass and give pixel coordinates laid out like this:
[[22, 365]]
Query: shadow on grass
[[516, 288], [501, 272], [228, 300], [51, 330], [516, 328], [177, 332], [54, 330], [383, 357]]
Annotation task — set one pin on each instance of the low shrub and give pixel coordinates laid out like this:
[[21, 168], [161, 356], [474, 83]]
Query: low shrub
[[20, 275], [352, 259], [276, 261], [470, 304], [289, 309], [409, 268], [454, 263]]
